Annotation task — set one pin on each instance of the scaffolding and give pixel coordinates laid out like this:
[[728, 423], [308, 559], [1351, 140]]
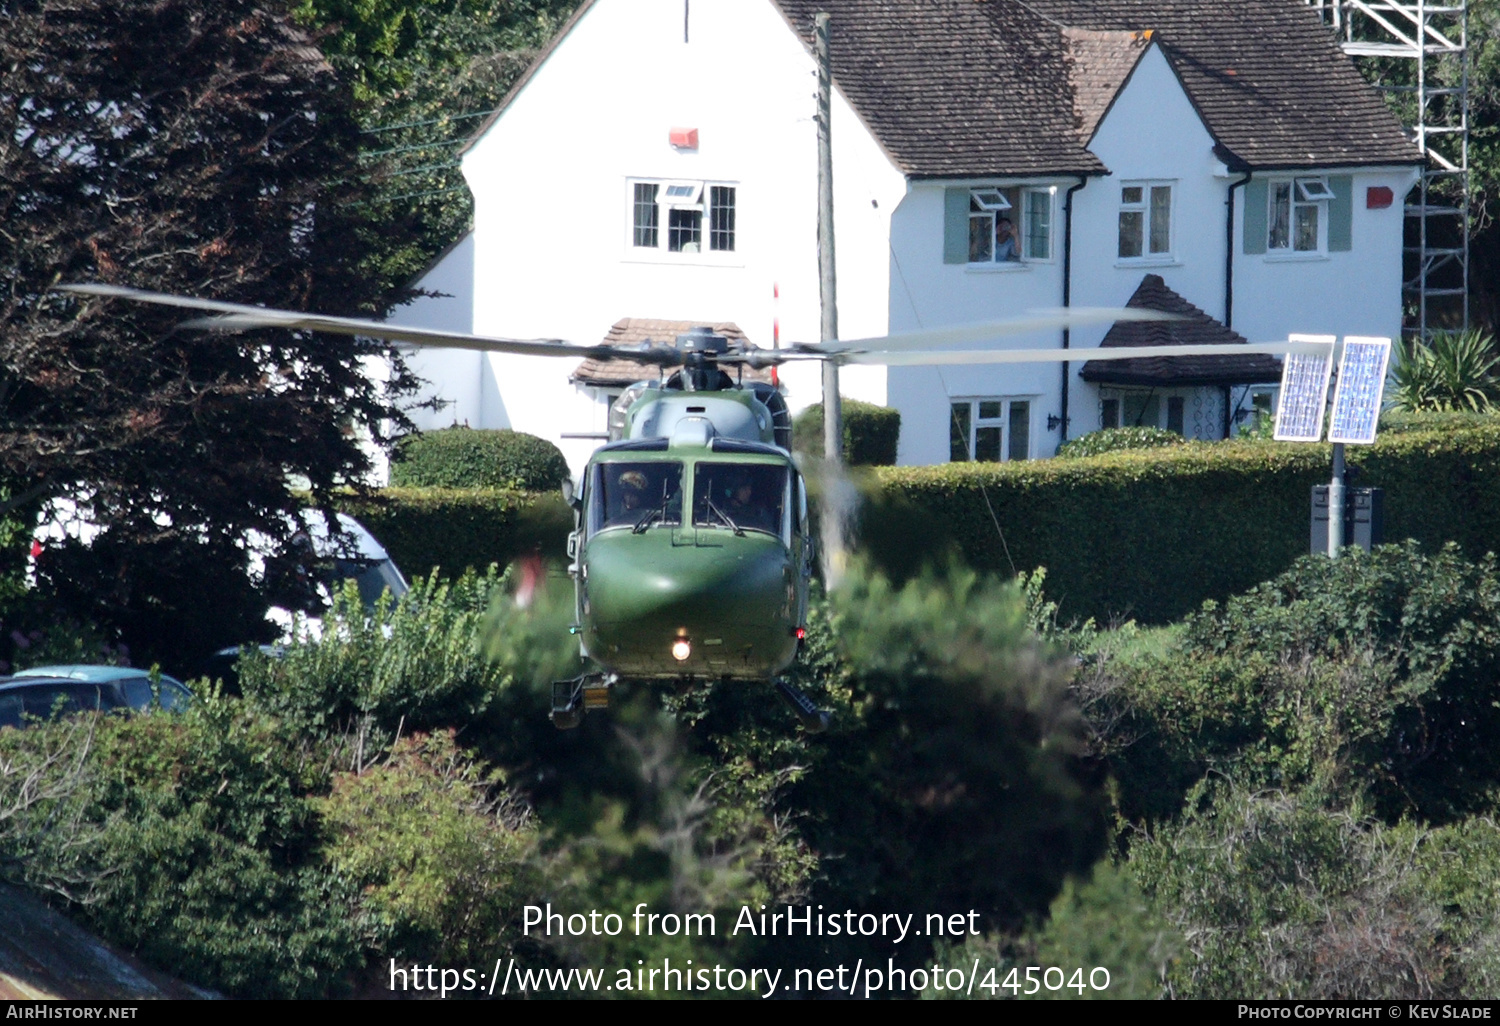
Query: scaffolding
[[1417, 53]]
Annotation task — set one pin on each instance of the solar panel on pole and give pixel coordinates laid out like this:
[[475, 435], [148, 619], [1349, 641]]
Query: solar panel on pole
[[1304, 392], [1360, 388]]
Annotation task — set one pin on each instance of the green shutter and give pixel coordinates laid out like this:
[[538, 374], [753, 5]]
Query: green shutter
[[956, 226], [1341, 214], [1255, 216]]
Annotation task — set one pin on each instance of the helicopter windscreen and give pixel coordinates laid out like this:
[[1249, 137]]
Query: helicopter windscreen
[[742, 496], [638, 494]]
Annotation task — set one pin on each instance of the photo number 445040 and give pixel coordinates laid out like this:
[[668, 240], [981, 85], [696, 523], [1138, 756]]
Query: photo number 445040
[[1036, 978]]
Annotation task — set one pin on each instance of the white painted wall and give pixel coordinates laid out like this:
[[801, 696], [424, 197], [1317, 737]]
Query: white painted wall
[[1353, 293], [551, 181], [927, 293], [452, 376], [1152, 133]]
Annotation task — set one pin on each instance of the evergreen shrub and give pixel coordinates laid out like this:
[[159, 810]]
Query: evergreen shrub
[[460, 457], [425, 529], [871, 433], [1152, 534], [1118, 439]]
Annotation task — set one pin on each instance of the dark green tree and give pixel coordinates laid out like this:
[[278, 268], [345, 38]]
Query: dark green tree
[[189, 147], [426, 73]]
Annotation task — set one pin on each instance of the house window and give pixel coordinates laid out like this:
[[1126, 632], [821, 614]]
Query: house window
[[685, 203], [990, 430], [646, 214], [1145, 220], [1009, 224], [1133, 409], [1297, 219]]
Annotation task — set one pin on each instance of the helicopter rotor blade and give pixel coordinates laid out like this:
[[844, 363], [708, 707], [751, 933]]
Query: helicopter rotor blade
[[767, 358], [977, 356], [988, 331], [240, 317]]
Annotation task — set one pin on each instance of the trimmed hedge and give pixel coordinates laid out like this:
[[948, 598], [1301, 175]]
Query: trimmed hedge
[[449, 529], [1152, 534], [460, 457], [1118, 439], [871, 433]]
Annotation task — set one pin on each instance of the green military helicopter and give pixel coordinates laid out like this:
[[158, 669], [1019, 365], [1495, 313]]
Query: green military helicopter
[[691, 555]]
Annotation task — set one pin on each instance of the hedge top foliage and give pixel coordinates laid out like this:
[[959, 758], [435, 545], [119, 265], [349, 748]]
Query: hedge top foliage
[[1118, 439], [871, 433], [460, 457]]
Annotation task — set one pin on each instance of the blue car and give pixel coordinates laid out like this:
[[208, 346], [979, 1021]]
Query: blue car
[[44, 691]]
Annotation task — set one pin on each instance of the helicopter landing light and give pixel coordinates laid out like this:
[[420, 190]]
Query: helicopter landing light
[[682, 648]]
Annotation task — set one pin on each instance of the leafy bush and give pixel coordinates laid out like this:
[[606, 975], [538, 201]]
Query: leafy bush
[[419, 664], [188, 840], [956, 745], [871, 433], [460, 457], [439, 850], [1118, 439], [1372, 672], [1452, 370], [1294, 895]]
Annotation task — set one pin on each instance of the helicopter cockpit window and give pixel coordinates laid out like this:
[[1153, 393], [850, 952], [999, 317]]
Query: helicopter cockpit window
[[637, 495], [740, 496]]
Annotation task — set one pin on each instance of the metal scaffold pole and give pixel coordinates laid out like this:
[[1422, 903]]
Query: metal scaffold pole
[[1431, 37]]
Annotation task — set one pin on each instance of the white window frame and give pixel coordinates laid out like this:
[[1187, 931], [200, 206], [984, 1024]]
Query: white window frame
[[1020, 217], [1143, 206], [1307, 192], [698, 198], [1002, 422]]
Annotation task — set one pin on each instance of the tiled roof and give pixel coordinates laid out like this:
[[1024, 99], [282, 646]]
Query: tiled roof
[[954, 88], [633, 331], [1267, 77], [1196, 329], [977, 88], [1098, 65]]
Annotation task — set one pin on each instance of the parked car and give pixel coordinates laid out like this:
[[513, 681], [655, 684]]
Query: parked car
[[328, 562], [44, 691]]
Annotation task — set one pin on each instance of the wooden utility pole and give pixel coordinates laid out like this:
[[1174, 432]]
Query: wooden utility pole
[[833, 416]]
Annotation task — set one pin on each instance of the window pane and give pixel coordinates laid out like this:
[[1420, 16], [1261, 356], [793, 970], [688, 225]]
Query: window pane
[[1109, 413], [684, 228], [628, 492], [1019, 447], [1306, 239], [1281, 216], [1161, 218], [989, 409], [750, 496], [987, 444], [1039, 225], [1174, 414], [958, 433], [981, 238], [1142, 411], [1130, 194], [645, 214], [721, 218], [1130, 233]]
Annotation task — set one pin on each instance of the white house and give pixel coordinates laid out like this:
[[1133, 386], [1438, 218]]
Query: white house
[[990, 156]]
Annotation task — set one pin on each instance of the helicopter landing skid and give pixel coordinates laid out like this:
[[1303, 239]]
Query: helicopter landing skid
[[814, 720], [571, 699]]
